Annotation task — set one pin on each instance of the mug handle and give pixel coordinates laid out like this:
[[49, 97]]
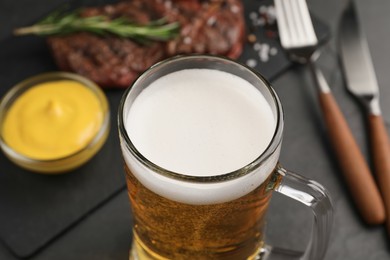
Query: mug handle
[[314, 196]]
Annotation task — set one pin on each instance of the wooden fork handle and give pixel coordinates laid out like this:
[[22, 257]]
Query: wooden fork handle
[[353, 165], [380, 147]]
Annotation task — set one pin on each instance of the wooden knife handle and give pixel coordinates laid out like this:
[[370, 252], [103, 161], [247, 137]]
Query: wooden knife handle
[[353, 165], [380, 147]]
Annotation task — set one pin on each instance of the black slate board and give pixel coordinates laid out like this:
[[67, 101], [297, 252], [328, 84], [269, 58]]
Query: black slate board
[[35, 209]]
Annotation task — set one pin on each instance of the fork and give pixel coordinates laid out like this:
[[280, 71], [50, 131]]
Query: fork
[[298, 38]]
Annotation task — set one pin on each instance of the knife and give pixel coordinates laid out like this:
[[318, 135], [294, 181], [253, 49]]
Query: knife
[[361, 82]]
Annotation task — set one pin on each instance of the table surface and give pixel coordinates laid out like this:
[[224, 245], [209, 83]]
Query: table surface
[[106, 232]]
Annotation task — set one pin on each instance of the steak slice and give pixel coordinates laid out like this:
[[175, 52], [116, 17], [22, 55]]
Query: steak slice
[[206, 26]]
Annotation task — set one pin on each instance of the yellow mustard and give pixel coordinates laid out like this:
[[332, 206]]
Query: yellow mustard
[[52, 120]]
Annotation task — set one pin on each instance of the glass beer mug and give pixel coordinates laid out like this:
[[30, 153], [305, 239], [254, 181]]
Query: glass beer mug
[[201, 137]]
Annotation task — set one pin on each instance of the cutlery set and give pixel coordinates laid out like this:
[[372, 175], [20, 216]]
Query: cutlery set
[[299, 40]]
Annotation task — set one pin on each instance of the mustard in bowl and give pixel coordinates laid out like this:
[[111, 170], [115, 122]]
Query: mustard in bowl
[[53, 122]]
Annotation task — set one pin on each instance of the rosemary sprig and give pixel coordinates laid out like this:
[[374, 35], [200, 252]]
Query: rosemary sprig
[[65, 23]]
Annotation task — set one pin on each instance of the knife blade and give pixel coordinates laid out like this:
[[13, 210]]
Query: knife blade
[[361, 82], [356, 57]]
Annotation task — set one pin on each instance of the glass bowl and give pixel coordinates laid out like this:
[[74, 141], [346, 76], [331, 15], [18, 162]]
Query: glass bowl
[[70, 161]]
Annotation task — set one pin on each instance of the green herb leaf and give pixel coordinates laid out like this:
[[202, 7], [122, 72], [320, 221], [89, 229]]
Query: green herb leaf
[[58, 23]]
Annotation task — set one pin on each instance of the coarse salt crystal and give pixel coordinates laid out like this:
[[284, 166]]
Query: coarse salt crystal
[[251, 63]]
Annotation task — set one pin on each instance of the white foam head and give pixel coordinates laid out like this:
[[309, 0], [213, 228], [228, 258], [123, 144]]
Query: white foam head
[[200, 122]]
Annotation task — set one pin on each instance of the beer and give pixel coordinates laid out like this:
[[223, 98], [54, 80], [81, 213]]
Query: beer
[[195, 182], [166, 229]]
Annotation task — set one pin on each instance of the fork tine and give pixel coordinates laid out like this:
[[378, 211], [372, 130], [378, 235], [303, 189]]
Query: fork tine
[[306, 20], [294, 23], [284, 32]]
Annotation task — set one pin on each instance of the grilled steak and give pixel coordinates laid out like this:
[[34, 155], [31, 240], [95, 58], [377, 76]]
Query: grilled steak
[[206, 26]]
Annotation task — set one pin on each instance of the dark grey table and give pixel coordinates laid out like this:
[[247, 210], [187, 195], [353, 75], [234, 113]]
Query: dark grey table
[[106, 233]]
